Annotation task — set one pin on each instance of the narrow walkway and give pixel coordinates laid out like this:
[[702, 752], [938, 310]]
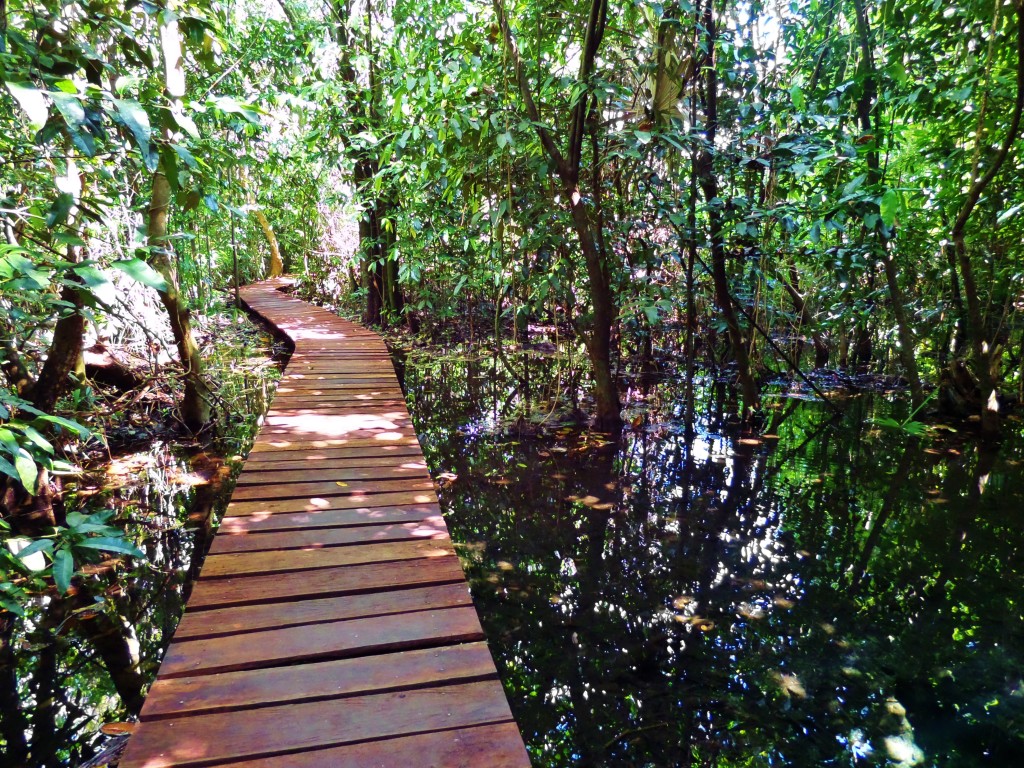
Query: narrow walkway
[[331, 624]]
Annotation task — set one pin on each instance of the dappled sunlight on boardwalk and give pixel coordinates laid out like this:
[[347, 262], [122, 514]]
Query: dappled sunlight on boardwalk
[[331, 624]]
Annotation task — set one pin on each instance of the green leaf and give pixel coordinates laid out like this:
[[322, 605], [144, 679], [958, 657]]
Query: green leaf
[[72, 426], [137, 121], [40, 442], [139, 270], [73, 112], [28, 473], [39, 545], [60, 209], [63, 570], [111, 544], [8, 469], [186, 123], [32, 100], [9, 605], [1008, 214], [799, 101], [889, 207]]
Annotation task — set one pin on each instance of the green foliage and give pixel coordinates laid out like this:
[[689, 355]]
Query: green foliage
[[23, 448]]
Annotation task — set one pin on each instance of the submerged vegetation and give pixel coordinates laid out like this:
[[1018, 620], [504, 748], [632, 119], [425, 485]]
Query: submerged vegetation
[[769, 254]]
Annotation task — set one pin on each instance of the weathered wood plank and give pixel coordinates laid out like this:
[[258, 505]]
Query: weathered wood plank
[[210, 739], [248, 618], [330, 488], [330, 640], [176, 697], [432, 528], [325, 582], [273, 476], [387, 456], [494, 746], [319, 503], [328, 518], [340, 454], [217, 566]]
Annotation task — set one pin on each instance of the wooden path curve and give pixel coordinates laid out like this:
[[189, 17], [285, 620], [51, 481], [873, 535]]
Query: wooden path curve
[[331, 624]]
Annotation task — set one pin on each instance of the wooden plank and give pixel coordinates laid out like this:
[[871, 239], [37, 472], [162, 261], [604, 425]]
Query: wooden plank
[[304, 456], [382, 409], [328, 488], [491, 746], [388, 456], [330, 518], [433, 528], [337, 422], [206, 740], [249, 618], [323, 504], [274, 476], [283, 439], [218, 566], [325, 582], [330, 640], [176, 697], [301, 406]]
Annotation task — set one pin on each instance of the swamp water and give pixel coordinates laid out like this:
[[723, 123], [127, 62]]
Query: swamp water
[[826, 594], [73, 669]]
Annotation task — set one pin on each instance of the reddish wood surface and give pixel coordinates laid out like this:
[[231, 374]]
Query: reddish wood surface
[[331, 624]]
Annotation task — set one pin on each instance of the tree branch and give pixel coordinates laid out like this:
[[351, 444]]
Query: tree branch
[[524, 89], [979, 186]]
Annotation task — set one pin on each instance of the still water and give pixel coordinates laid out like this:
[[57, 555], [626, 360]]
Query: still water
[[822, 592]]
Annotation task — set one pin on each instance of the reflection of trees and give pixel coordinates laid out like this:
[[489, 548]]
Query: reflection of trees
[[76, 662], [821, 580], [70, 661]]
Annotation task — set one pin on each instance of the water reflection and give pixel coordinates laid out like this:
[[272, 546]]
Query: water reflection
[[821, 594]]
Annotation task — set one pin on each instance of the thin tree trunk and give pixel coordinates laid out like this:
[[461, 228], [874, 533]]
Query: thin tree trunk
[[792, 287], [597, 330], [65, 352], [195, 404], [709, 185], [985, 353], [276, 264], [867, 113]]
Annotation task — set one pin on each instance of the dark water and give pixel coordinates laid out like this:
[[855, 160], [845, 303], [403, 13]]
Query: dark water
[[72, 665], [827, 594]]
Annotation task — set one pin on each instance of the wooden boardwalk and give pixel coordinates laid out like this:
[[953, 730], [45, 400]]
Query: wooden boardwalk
[[331, 624]]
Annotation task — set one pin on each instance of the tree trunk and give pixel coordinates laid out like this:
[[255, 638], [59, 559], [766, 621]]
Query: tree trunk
[[985, 353], [195, 404], [276, 264], [13, 725], [792, 287], [65, 352], [597, 330], [709, 185]]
